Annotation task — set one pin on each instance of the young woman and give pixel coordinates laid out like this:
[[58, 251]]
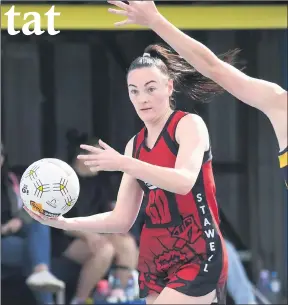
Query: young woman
[[268, 97], [182, 258]]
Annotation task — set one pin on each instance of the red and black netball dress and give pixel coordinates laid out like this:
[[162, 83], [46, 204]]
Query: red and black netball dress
[[181, 246]]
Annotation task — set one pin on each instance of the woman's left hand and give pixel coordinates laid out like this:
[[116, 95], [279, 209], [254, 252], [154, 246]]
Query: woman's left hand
[[102, 159]]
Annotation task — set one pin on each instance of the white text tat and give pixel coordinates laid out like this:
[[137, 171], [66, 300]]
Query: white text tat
[[33, 25]]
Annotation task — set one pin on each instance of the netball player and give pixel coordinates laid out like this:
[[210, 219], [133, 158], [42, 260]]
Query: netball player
[[182, 259], [268, 97]]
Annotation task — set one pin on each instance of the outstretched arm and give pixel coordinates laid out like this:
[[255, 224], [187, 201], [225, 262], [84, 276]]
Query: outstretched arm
[[265, 96], [120, 220], [258, 93]]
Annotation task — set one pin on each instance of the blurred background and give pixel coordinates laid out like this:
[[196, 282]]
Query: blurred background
[[60, 91]]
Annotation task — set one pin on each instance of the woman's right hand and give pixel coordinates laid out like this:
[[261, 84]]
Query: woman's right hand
[[137, 12], [58, 223]]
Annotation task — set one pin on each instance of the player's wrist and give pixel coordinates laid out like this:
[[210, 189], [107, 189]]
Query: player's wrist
[[125, 164], [68, 224], [155, 20]]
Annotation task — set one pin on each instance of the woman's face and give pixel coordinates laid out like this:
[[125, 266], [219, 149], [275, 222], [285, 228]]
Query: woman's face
[[149, 91]]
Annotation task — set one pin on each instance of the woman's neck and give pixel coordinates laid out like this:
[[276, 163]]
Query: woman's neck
[[156, 126]]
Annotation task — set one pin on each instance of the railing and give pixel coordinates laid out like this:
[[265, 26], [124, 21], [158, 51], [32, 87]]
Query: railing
[[213, 2]]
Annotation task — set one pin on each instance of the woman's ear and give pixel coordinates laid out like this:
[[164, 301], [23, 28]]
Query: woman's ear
[[170, 87]]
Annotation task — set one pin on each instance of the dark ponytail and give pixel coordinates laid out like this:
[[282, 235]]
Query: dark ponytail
[[186, 79]]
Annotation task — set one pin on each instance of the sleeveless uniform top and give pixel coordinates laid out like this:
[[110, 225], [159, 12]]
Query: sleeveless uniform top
[[164, 154], [283, 160], [179, 229]]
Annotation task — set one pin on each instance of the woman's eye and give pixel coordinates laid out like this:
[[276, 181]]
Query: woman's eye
[[151, 89], [133, 91]]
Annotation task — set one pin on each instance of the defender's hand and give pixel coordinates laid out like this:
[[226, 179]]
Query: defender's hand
[[137, 12]]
